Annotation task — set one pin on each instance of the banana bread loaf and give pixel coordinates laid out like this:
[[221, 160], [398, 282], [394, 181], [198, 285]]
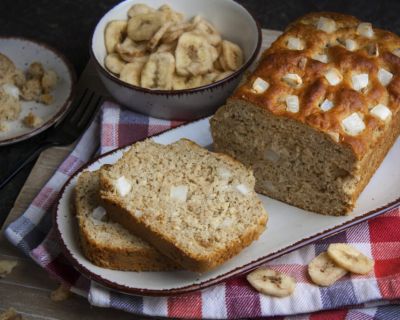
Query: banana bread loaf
[[197, 207], [318, 115]]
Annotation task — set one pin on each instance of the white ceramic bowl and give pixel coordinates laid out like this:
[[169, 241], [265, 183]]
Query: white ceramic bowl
[[233, 21]]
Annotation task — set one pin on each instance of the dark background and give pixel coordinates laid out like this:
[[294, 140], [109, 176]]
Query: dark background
[[67, 25]]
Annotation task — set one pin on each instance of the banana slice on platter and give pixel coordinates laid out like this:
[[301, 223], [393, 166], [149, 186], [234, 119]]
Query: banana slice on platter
[[139, 8], [350, 258], [323, 270], [232, 56], [271, 282], [129, 50], [158, 71], [193, 55], [143, 26], [131, 72], [114, 33], [114, 63]]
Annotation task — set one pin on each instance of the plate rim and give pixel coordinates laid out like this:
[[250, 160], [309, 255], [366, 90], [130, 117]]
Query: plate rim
[[213, 281], [63, 109]]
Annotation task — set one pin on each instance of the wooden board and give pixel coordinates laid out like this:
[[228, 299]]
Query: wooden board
[[27, 289]]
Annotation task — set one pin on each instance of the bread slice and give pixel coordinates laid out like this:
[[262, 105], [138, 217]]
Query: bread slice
[[106, 243], [197, 207]]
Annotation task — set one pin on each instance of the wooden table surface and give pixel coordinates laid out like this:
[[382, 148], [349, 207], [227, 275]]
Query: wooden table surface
[[27, 289]]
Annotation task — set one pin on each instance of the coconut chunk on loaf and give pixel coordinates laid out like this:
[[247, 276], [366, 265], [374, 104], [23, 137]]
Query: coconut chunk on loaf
[[106, 243], [197, 207]]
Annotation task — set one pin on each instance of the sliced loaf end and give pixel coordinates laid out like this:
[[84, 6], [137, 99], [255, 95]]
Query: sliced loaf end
[[106, 243]]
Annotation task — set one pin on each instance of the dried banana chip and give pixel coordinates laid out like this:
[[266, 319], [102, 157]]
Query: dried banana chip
[[129, 50], [222, 63], [350, 258], [271, 282], [205, 28], [167, 47], [131, 72], [175, 31], [139, 8], [223, 75], [210, 77], [232, 55], [218, 66], [194, 82], [193, 55], [178, 82], [323, 270], [114, 34], [158, 71], [153, 42], [114, 63], [170, 14], [188, 53], [143, 26]]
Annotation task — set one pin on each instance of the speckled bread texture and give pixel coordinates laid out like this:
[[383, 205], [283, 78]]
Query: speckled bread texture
[[108, 244], [197, 207], [313, 138]]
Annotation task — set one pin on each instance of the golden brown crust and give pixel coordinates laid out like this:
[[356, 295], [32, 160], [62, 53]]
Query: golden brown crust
[[125, 260], [278, 60], [167, 246]]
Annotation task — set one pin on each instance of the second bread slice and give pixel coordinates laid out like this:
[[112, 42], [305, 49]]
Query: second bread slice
[[106, 243], [197, 207]]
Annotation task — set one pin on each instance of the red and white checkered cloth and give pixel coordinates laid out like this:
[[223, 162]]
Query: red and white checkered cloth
[[372, 296]]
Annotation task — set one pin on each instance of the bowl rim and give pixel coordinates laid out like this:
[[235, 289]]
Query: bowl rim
[[212, 85]]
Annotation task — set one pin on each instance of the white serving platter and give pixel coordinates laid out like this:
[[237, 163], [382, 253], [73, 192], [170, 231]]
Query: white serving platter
[[289, 228]]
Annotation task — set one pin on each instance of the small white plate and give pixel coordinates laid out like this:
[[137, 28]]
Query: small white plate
[[289, 228], [23, 52]]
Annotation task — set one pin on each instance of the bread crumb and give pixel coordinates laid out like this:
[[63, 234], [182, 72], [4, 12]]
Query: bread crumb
[[61, 293], [31, 90], [19, 78], [32, 120], [7, 68], [35, 70], [10, 107], [49, 81], [46, 99], [6, 267], [10, 314], [3, 127]]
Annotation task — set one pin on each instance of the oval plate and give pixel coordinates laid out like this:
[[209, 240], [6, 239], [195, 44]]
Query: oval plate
[[289, 228], [23, 52]]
